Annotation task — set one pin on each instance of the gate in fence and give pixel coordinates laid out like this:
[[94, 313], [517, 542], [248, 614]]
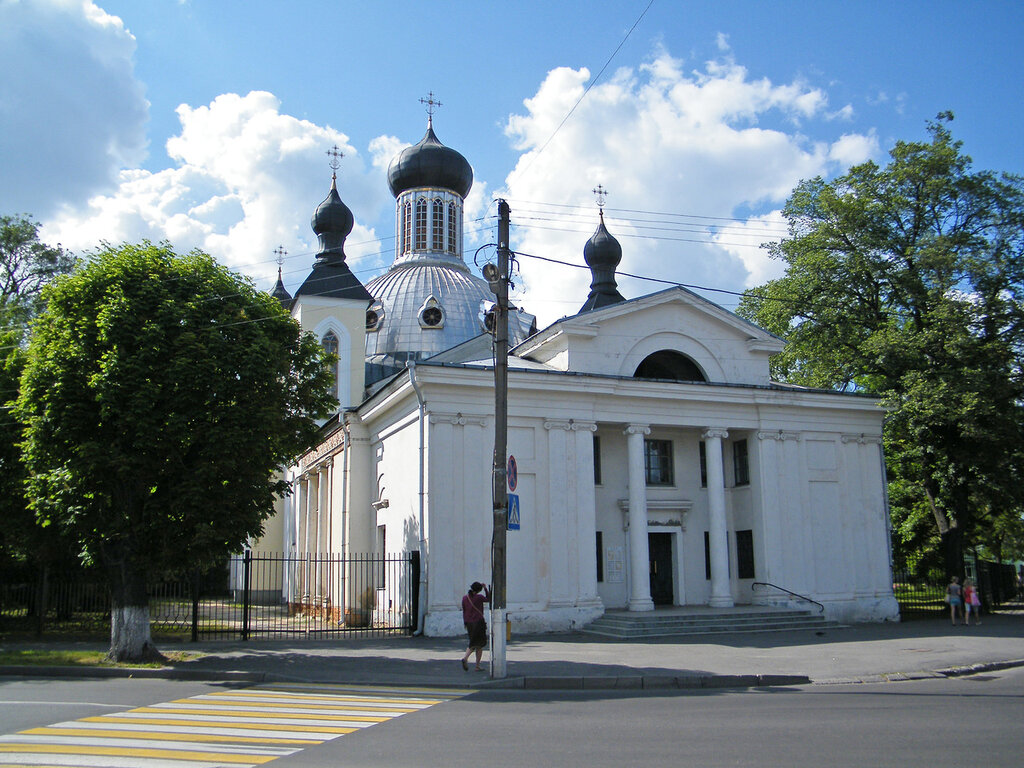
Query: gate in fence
[[255, 594], [311, 596]]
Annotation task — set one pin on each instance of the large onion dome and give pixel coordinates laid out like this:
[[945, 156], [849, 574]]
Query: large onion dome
[[602, 254], [430, 164]]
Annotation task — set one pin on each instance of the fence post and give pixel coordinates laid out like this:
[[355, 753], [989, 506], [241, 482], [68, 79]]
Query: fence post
[[195, 604], [246, 584]]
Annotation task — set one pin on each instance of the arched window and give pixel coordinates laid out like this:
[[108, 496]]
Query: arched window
[[452, 228], [437, 225], [421, 224], [330, 344], [669, 364]]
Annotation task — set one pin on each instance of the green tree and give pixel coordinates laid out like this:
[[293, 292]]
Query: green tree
[[906, 282], [161, 395], [26, 265]]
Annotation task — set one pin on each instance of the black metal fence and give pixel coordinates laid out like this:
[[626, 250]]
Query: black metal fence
[[255, 594], [921, 597]]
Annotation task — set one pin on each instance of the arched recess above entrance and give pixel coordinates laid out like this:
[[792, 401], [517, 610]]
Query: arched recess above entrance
[[688, 356]]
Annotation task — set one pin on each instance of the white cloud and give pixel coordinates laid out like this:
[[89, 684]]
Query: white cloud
[[686, 147], [72, 112], [854, 148], [247, 178]]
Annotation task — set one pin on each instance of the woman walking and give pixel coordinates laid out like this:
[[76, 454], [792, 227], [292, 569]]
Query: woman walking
[[476, 624], [972, 603], [954, 596]]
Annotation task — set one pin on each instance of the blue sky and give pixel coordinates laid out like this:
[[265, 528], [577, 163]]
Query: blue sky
[[205, 123]]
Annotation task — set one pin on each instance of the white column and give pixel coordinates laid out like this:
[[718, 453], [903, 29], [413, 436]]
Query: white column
[[639, 552], [587, 509], [721, 590]]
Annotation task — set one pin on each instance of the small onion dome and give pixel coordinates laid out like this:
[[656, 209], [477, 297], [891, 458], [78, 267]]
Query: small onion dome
[[430, 164], [602, 254], [332, 222], [280, 292]]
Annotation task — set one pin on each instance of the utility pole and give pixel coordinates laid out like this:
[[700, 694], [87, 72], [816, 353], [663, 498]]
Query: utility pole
[[498, 279]]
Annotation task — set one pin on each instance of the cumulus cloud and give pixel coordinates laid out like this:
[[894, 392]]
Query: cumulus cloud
[[246, 179], [65, 131], [680, 152]]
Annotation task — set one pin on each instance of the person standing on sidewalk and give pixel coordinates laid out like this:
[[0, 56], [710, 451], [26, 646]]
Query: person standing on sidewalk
[[972, 603], [476, 624], [954, 596]]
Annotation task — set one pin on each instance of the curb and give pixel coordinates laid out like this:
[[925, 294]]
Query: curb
[[165, 673], [936, 674]]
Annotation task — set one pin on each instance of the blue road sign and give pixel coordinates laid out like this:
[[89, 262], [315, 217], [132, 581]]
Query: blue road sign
[[512, 472], [513, 512]]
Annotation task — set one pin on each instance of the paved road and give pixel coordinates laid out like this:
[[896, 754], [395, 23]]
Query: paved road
[[969, 721], [300, 726]]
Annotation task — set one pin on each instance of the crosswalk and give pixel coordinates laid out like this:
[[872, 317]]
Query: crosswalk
[[237, 728]]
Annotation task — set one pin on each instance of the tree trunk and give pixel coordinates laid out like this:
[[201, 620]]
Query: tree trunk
[[130, 638]]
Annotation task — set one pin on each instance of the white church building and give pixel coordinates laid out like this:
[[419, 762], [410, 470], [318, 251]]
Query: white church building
[[658, 463]]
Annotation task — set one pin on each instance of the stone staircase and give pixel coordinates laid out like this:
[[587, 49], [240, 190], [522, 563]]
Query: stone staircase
[[700, 620]]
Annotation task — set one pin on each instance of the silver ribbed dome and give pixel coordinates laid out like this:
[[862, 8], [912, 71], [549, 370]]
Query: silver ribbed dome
[[403, 294]]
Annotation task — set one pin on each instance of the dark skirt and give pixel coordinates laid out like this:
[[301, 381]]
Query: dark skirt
[[477, 631]]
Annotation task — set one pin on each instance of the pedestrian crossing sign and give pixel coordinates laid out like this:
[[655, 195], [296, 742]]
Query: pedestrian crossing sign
[[513, 511]]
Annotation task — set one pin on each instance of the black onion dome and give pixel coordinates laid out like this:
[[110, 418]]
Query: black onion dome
[[332, 222], [602, 249], [602, 254], [430, 164]]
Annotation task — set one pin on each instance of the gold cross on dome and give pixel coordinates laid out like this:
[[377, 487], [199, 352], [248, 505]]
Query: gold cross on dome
[[601, 193], [280, 253]]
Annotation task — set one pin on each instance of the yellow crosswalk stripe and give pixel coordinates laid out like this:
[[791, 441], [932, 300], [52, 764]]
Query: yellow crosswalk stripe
[[84, 749], [245, 727], [188, 737]]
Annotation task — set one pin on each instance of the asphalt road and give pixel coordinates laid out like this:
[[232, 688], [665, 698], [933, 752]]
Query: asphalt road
[[969, 721]]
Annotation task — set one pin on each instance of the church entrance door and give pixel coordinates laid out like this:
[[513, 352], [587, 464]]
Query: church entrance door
[[660, 548]]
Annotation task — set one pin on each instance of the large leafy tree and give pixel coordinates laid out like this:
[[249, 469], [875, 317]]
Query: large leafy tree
[[905, 281], [161, 394], [26, 265]]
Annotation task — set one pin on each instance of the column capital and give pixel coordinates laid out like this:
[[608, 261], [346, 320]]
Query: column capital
[[709, 432], [637, 429]]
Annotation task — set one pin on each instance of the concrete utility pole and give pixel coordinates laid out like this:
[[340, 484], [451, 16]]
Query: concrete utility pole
[[498, 279]]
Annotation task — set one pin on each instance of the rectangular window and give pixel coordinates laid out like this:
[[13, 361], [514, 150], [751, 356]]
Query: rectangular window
[[600, 558], [658, 461], [740, 464], [597, 460], [703, 464], [382, 545], [745, 554]]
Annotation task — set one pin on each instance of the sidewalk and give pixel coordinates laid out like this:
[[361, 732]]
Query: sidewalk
[[858, 653]]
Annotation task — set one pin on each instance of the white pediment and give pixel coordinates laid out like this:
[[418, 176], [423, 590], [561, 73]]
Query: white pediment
[[614, 340]]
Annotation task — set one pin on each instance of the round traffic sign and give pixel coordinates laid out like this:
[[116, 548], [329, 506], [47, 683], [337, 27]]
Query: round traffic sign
[[512, 473]]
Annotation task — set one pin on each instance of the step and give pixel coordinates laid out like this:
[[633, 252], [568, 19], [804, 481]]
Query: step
[[625, 626]]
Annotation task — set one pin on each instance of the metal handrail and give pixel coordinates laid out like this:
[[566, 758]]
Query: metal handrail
[[788, 592]]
